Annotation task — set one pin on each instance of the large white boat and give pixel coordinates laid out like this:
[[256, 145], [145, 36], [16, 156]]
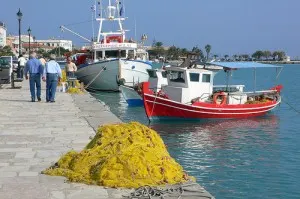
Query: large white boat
[[114, 58]]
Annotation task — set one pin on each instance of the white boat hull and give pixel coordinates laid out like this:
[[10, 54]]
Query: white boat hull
[[104, 75]]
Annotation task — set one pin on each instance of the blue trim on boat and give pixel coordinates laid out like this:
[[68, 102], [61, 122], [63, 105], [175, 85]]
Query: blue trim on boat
[[141, 61], [135, 102]]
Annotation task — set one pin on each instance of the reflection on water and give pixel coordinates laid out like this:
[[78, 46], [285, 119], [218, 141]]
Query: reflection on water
[[213, 151]]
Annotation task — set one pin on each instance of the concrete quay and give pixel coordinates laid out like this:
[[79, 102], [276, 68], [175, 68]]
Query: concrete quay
[[33, 136]]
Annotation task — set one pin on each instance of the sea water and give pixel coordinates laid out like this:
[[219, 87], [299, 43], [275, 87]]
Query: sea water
[[236, 158]]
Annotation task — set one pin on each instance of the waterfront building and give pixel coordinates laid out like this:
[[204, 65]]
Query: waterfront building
[[2, 34], [54, 43], [46, 45]]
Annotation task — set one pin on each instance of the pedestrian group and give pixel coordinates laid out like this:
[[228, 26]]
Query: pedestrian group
[[50, 72]]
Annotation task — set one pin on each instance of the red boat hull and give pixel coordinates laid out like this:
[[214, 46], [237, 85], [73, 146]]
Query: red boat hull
[[161, 108]]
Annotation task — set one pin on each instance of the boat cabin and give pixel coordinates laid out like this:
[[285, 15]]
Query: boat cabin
[[184, 84], [157, 79]]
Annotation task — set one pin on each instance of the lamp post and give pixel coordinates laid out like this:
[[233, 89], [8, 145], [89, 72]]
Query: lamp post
[[20, 15], [29, 33]]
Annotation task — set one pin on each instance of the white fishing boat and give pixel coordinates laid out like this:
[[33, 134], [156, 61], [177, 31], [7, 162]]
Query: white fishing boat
[[157, 79], [114, 58]]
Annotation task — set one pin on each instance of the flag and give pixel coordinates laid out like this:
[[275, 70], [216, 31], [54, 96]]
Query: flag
[[121, 11]]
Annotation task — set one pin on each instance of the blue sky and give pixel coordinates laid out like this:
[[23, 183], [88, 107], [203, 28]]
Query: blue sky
[[231, 26]]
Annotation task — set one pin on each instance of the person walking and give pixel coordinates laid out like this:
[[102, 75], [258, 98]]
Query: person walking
[[22, 63], [35, 69], [52, 75]]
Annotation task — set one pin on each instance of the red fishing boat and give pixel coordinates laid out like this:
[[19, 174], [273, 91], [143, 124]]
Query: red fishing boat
[[190, 94]]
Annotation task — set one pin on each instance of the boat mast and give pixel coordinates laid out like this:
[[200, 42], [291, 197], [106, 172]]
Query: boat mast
[[110, 12]]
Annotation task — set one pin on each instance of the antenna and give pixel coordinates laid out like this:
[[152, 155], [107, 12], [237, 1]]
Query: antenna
[[135, 38], [93, 19]]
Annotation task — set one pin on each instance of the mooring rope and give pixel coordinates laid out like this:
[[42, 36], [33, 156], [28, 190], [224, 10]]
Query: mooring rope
[[287, 103], [104, 68], [179, 191]]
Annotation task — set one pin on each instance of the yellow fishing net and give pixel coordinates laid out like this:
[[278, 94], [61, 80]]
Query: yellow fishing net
[[122, 155], [74, 90]]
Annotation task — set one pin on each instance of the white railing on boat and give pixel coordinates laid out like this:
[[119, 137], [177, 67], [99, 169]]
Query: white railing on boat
[[229, 88]]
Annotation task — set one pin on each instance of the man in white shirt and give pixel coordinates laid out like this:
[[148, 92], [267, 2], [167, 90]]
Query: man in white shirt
[[22, 63], [52, 75]]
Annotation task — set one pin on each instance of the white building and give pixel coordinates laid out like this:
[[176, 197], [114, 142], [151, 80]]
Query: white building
[[2, 34], [55, 43]]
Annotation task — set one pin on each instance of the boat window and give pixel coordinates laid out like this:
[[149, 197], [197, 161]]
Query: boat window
[[206, 78], [164, 74], [99, 55], [194, 77], [152, 73], [130, 54], [115, 53], [177, 76]]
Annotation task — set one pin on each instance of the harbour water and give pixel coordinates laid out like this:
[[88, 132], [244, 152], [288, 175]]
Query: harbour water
[[245, 158]]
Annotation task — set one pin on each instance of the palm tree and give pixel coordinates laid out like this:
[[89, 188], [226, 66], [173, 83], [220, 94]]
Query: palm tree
[[158, 44], [207, 49]]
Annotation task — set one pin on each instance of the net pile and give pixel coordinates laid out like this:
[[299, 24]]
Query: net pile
[[123, 155]]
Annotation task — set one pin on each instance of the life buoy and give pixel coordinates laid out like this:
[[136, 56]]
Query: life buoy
[[223, 96], [114, 38]]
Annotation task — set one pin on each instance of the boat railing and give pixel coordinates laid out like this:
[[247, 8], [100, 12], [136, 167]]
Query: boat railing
[[229, 88], [266, 92]]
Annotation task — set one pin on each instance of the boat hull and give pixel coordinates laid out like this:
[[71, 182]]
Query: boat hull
[[105, 75], [131, 96], [160, 108]]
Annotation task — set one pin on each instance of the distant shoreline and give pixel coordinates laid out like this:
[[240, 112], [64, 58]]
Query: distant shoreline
[[279, 62]]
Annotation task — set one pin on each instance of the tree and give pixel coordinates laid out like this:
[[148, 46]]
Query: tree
[[157, 49], [235, 57], [158, 44], [59, 51], [245, 57], [267, 54], [258, 55], [173, 53], [207, 50], [198, 51], [215, 56], [6, 51], [183, 52], [281, 55], [226, 57]]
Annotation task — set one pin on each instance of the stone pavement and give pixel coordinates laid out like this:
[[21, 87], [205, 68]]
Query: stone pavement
[[34, 135]]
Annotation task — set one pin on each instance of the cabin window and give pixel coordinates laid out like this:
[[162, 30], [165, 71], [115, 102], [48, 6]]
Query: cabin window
[[130, 54], [115, 53], [152, 73], [99, 55], [164, 74], [206, 78], [177, 76], [194, 77]]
